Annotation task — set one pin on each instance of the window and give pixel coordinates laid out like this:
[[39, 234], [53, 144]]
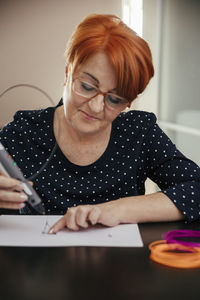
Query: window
[[132, 14]]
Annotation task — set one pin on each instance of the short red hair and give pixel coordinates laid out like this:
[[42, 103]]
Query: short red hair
[[129, 53]]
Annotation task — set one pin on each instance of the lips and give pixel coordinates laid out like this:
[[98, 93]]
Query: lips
[[88, 116]]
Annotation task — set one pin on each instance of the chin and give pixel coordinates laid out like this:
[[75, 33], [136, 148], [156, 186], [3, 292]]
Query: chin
[[90, 131], [87, 127]]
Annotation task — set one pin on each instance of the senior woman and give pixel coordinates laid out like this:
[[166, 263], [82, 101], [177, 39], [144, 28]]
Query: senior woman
[[104, 152]]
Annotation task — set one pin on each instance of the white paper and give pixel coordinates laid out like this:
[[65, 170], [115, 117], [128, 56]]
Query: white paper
[[27, 231]]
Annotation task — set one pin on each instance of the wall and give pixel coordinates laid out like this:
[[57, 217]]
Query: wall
[[180, 58], [180, 73]]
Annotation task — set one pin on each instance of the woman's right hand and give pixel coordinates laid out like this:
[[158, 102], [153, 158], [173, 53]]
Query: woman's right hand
[[11, 193]]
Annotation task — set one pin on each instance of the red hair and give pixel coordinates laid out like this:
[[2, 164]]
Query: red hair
[[129, 53]]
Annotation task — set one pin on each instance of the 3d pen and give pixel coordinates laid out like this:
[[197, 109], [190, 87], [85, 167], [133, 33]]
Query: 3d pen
[[9, 168]]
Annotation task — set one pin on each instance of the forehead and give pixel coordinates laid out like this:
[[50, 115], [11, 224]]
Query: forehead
[[100, 68]]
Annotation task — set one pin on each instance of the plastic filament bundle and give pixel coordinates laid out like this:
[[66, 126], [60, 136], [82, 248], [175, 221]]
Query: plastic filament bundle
[[176, 252]]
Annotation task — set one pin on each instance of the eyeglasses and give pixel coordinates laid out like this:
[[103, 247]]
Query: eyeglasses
[[89, 91]]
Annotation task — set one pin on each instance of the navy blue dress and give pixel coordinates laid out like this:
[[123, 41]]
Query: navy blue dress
[[138, 149]]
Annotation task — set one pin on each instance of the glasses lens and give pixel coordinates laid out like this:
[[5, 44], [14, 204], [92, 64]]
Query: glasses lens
[[87, 90], [84, 89], [114, 101]]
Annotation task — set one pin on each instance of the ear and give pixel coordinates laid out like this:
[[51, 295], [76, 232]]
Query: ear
[[68, 69], [66, 72]]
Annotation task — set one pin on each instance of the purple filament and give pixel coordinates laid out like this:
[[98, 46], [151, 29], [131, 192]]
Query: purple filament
[[175, 236]]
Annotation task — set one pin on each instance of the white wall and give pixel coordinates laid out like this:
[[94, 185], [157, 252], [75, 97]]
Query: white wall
[[180, 58], [33, 35], [180, 73]]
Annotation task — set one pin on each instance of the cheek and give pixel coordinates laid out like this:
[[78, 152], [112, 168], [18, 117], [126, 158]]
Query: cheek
[[72, 106], [69, 99]]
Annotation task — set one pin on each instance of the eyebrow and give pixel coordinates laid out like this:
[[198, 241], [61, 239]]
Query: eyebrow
[[94, 78]]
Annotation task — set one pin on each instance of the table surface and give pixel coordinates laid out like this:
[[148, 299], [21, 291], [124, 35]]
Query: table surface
[[96, 272]]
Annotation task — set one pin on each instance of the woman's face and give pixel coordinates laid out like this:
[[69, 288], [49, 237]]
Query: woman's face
[[91, 116]]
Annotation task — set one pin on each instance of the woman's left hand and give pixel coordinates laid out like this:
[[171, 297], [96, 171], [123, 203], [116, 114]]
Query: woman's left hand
[[109, 214]]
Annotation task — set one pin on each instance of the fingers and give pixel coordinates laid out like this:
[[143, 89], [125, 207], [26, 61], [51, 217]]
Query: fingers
[[11, 193], [11, 205], [60, 224], [66, 221], [12, 200], [8, 183], [77, 217], [71, 218], [12, 196], [80, 218], [94, 215]]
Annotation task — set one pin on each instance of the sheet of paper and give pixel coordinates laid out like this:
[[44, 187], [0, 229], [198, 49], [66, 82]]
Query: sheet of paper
[[27, 231]]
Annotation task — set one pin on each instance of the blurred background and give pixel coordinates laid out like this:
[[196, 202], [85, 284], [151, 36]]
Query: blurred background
[[33, 35]]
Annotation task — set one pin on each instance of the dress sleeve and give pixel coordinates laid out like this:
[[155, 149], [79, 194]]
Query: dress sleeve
[[9, 134], [177, 176]]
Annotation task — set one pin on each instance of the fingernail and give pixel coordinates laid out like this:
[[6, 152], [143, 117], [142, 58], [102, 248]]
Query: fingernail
[[24, 196], [22, 205], [51, 231]]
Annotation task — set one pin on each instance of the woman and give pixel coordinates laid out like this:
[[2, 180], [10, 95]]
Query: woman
[[104, 154]]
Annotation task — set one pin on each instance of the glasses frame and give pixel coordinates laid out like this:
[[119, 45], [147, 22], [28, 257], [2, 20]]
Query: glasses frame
[[99, 92]]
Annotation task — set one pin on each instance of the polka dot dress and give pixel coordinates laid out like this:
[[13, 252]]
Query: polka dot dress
[[137, 149]]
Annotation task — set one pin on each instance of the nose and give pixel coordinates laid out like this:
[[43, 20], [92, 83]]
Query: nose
[[96, 104]]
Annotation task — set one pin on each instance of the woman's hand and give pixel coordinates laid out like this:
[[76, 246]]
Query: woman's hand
[[11, 193], [109, 214], [156, 207]]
